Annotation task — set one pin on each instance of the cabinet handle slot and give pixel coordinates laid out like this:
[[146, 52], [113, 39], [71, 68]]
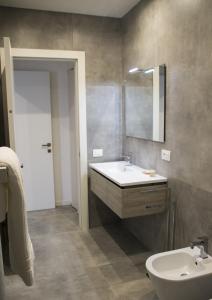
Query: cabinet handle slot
[[153, 206]]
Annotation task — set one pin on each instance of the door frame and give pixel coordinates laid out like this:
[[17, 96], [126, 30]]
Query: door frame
[[81, 119]]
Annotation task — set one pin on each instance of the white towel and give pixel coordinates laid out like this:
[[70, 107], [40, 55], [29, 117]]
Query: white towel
[[20, 247]]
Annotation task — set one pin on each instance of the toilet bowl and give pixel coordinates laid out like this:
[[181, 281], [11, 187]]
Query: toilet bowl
[[181, 275]]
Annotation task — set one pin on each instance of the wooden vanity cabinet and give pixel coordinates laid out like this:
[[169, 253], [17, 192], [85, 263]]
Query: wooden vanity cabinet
[[130, 201]]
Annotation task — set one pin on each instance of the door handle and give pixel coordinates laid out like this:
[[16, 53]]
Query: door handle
[[47, 145]]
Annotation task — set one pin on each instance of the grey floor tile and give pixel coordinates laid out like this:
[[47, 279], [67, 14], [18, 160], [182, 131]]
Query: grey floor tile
[[140, 287], [121, 272], [103, 264]]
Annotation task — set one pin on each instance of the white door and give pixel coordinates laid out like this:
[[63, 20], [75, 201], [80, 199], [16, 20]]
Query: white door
[[33, 137]]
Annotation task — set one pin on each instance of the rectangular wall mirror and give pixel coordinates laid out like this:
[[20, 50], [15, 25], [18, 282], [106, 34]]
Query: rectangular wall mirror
[[144, 92]]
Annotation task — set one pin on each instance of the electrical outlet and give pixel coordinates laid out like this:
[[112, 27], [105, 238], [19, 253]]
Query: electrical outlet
[[165, 155], [97, 152]]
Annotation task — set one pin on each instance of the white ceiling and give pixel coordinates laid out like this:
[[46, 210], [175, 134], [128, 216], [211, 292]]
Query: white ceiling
[[106, 8]]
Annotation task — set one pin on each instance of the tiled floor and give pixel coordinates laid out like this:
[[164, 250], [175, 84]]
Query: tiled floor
[[104, 264]]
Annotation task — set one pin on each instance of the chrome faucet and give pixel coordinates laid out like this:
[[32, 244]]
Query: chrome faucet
[[128, 159], [202, 244]]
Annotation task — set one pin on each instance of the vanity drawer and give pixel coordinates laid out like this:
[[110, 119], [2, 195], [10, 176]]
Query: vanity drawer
[[130, 202]]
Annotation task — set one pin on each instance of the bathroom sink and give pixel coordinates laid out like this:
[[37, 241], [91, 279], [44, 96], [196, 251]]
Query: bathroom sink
[[177, 265], [114, 167], [126, 175], [124, 189], [182, 274]]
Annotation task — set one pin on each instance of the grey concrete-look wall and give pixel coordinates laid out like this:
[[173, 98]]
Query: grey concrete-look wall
[[177, 33], [101, 40]]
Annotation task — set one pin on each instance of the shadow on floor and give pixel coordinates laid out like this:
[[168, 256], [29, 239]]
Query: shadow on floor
[[125, 240]]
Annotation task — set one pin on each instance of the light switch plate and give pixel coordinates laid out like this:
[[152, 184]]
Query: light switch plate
[[97, 152], [165, 155]]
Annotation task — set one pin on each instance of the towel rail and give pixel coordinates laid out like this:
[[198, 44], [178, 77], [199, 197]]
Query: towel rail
[[3, 179]]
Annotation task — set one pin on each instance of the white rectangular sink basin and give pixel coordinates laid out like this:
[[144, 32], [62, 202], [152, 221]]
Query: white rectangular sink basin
[[126, 175]]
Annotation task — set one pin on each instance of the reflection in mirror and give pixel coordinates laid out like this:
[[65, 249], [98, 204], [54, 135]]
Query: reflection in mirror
[[145, 103]]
